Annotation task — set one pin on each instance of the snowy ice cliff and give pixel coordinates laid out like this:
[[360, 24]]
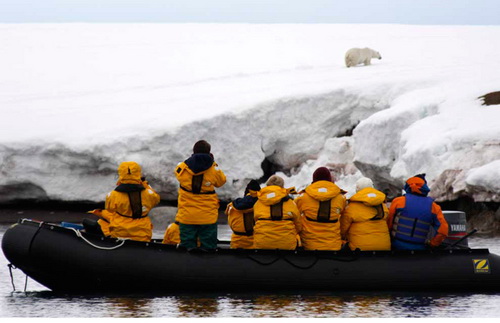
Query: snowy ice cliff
[[78, 99]]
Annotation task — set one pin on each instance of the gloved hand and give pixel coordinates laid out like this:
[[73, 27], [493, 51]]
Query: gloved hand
[[430, 245], [97, 212]]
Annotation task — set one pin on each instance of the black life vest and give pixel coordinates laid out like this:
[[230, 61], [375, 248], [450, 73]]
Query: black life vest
[[324, 212], [196, 183], [135, 199]]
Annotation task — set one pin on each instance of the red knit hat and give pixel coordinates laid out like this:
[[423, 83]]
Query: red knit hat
[[322, 174]]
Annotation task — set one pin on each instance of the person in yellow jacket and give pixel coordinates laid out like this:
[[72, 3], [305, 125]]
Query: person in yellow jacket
[[240, 217], [127, 206], [172, 234], [198, 204], [320, 206], [364, 221], [277, 219]]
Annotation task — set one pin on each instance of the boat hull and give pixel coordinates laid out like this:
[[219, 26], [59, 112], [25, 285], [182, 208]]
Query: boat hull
[[61, 260]]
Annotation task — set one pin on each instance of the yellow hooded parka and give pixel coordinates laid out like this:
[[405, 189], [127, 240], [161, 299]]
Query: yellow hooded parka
[[363, 222], [242, 236], [117, 220], [201, 208], [280, 233], [321, 233]]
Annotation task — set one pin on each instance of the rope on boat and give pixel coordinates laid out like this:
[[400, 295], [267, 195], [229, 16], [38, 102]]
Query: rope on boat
[[263, 263], [317, 258], [353, 258], [302, 267], [34, 236], [11, 266], [11, 276], [79, 235]]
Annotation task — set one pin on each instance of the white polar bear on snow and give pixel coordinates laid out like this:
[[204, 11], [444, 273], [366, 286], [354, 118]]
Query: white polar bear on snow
[[355, 56]]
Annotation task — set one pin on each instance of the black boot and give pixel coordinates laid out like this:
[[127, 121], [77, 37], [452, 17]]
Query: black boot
[[92, 226]]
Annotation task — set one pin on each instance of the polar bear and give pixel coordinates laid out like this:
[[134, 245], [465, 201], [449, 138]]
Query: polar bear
[[355, 56]]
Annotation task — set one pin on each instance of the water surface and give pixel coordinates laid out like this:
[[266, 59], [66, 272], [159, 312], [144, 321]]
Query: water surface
[[38, 301]]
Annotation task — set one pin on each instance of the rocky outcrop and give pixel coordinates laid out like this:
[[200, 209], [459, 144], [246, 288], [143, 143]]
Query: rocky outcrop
[[492, 98]]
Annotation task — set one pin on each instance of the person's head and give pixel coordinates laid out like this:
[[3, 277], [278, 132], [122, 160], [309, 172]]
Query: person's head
[[201, 147], [322, 174], [275, 180], [129, 172], [363, 182], [417, 185], [253, 185]]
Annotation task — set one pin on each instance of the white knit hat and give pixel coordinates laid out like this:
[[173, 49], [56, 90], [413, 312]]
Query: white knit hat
[[275, 180], [363, 182]]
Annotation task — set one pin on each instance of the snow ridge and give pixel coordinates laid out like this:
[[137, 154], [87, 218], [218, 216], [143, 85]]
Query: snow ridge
[[78, 99], [288, 132]]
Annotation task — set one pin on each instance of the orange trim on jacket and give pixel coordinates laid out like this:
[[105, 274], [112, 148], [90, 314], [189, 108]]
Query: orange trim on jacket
[[442, 231]]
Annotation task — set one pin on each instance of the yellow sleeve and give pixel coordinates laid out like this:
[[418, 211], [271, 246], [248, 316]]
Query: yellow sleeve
[[220, 176], [153, 197], [109, 205]]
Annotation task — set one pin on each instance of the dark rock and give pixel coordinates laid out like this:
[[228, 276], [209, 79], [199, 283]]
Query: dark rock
[[492, 98], [22, 191], [485, 222]]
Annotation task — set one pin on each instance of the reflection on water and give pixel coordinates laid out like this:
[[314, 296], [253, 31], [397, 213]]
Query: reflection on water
[[327, 305], [129, 307], [39, 302], [202, 307]]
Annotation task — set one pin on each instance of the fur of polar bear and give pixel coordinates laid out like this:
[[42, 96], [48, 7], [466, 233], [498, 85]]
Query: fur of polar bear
[[355, 56]]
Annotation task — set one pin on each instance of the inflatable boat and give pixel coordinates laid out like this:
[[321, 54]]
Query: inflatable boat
[[66, 259]]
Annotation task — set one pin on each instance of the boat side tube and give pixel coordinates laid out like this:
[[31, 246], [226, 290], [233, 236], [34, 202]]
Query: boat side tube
[[65, 259]]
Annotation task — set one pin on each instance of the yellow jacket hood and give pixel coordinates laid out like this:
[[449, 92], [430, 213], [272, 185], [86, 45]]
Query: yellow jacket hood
[[271, 195], [368, 196], [323, 190], [129, 173]]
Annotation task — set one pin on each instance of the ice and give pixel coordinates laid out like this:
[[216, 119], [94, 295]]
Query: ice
[[78, 99]]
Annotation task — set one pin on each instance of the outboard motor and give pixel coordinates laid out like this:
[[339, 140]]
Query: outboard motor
[[457, 222]]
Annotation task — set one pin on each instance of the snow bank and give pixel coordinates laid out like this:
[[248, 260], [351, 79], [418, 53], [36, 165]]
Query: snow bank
[[77, 99], [482, 182]]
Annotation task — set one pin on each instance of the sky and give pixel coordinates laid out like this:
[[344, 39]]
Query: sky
[[427, 12]]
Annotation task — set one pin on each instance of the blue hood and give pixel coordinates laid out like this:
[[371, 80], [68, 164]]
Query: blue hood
[[244, 203], [199, 162]]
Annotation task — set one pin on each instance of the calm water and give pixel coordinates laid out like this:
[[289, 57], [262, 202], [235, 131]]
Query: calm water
[[38, 301]]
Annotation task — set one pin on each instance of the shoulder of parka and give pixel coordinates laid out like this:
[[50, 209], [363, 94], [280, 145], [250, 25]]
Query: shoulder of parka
[[323, 190], [368, 196], [271, 195]]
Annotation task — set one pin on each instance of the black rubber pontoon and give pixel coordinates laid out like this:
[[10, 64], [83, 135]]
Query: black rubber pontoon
[[67, 260]]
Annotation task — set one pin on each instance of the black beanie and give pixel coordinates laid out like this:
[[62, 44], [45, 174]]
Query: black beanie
[[201, 147], [252, 185]]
